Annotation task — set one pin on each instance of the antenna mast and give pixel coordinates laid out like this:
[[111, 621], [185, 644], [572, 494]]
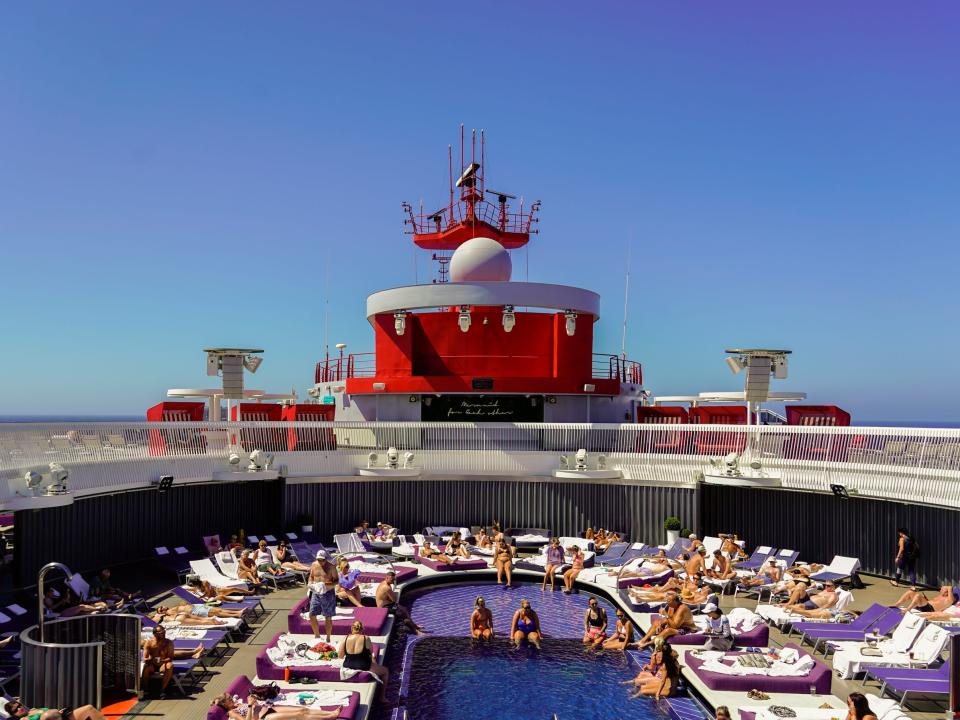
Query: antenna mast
[[626, 295]]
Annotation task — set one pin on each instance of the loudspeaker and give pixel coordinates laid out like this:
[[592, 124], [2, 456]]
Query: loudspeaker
[[166, 482]]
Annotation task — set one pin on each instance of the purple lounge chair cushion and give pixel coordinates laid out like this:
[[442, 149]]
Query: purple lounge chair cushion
[[241, 686], [477, 564], [404, 572], [374, 620], [819, 676], [267, 670], [757, 637]]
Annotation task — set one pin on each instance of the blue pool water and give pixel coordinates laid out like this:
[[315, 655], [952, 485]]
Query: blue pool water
[[450, 679], [445, 676]]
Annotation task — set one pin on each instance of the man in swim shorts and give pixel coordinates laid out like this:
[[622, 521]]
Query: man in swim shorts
[[323, 593]]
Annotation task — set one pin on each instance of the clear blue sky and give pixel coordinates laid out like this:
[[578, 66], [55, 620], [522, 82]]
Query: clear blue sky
[[175, 175]]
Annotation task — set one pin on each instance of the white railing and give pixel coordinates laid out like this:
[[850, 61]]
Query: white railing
[[905, 464]]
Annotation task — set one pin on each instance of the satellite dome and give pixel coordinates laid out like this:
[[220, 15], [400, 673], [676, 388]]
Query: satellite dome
[[481, 259]]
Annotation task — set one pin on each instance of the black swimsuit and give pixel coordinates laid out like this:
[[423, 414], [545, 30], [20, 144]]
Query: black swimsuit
[[362, 660]]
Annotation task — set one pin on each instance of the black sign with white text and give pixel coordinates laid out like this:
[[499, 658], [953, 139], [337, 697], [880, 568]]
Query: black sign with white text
[[485, 408]]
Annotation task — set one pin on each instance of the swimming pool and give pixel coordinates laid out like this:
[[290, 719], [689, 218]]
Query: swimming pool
[[445, 676]]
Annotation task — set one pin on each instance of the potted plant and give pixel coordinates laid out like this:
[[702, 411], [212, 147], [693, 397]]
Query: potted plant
[[672, 525], [305, 521]]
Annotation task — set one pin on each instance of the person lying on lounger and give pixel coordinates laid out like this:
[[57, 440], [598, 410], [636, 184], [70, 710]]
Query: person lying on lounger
[[662, 559], [914, 599], [16, 709], [65, 606], [194, 615], [950, 614], [255, 710], [456, 547], [205, 591], [431, 553], [721, 568], [101, 587], [798, 592], [387, 598], [766, 575], [657, 594], [288, 558], [677, 620], [348, 589], [818, 606], [481, 621]]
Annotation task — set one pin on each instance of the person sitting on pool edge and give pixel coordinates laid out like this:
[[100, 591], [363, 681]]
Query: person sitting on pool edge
[[481, 620], [387, 598], [431, 553], [664, 684], [525, 625], [576, 567], [677, 620], [622, 634], [650, 669], [554, 559], [503, 559], [594, 624]]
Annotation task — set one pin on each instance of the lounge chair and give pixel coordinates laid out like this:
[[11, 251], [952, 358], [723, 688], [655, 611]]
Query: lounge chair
[[177, 560], [877, 619], [633, 552], [348, 703], [757, 559], [904, 681], [848, 657], [212, 544], [840, 568], [205, 570], [242, 603], [613, 551], [779, 616]]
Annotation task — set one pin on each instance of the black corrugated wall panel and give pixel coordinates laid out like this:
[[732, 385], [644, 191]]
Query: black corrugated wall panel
[[564, 508], [820, 526], [125, 527]]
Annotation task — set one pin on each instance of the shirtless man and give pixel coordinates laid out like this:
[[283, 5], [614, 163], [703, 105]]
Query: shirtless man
[[322, 582], [677, 620], [158, 657], [768, 574], [798, 592], [387, 598], [656, 594], [696, 564], [822, 601], [914, 599], [430, 552], [693, 544], [731, 548], [950, 613], [205, 591], [720, 568]]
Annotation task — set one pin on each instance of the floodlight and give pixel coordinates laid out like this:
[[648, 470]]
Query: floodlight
[[589, 387], [756, 465], [464, 319], [213, 364], [314, 392], [400, 322], [408, 459], [33, 481], [509, 318], [393, 458], [581, 458], [735, 364], [571, 317], [164, 483], [468, 174], [564, 462], [234, 459], [601, 462], [372, 460], [58, 479], [252, 362]]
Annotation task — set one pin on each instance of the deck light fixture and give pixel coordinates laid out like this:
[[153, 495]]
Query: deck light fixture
[[735, 364], [509, 318], [571, 322], [408, 460], [400, 322], [464, 319], [252, 362]]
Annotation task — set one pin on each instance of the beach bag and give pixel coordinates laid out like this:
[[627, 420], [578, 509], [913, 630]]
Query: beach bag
[[265, 692]]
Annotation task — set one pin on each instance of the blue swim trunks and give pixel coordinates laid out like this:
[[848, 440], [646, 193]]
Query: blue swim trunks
[[201, 610], [325, 604]]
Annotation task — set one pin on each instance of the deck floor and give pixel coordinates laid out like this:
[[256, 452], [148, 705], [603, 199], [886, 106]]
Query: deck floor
[[278, 603]]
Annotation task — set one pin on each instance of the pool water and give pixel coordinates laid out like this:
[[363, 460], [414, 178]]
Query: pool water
[[445, 676], [452, 678]]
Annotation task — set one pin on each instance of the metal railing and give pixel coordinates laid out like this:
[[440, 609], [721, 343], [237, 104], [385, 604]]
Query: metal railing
[[614, 367], [484, 211], [352, 365], [905, 464]]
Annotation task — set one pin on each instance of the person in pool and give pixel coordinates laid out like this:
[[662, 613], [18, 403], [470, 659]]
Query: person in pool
[[664, 683], [254, 710], [622, 634], [357, 653], [554, 559], [576, 567], [526, 625], [481, 621], [594, 624]]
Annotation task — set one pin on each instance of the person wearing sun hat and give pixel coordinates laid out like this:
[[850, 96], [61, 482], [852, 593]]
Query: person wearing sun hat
[[719, 634], [322, 582]]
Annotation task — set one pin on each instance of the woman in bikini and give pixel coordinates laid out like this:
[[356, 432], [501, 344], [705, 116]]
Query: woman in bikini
[[431, 553], [481, 621], [664, 683], [594, 624], [576, 568], [205, 591], [858, 708], [649, 671], [526, 625], [357, 653], [254, 710], [457, 547], [483, 540], [622, 633], [503, 560]]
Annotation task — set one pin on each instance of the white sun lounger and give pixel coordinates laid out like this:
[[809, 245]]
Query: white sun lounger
[[926, 649], [206, 571], [848, 657]]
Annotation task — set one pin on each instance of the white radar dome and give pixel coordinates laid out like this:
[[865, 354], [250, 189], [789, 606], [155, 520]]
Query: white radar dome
[[481, 259]]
